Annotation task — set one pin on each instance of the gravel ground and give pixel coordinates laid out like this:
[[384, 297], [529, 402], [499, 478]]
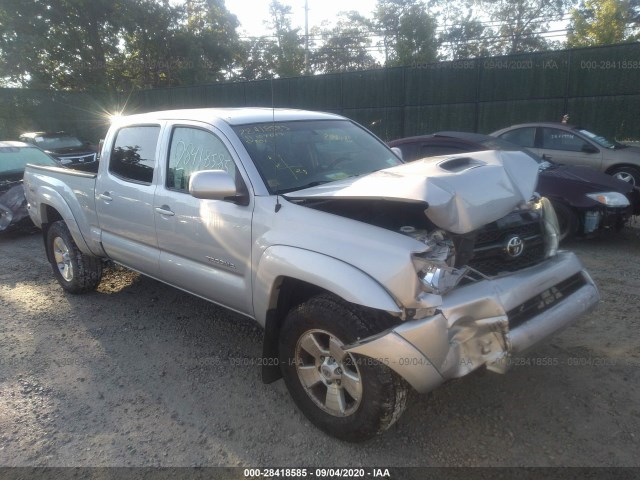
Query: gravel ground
[[140, 374]]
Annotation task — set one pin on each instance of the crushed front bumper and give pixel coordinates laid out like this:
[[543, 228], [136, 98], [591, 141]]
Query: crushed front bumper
[[484, 323]]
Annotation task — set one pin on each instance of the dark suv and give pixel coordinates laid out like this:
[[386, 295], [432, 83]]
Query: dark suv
[[67, 148]]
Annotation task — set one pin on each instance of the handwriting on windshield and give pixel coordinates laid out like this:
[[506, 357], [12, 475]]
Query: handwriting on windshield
[[260, 134]]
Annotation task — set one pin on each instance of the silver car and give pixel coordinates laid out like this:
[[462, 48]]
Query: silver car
[[571, 145]]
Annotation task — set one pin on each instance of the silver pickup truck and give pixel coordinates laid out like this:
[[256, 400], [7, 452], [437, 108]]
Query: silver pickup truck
[[370, 277]]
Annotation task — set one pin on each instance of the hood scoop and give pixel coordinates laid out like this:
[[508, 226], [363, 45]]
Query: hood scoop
[[460, 164], [460, 194]]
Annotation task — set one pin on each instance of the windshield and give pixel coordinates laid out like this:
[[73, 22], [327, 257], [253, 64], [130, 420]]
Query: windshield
[[50, 143], [603, 142], [14, 159], [300, 154]]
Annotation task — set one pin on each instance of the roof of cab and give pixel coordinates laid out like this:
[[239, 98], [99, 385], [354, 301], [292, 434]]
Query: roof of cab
[[232, 116], [11, 143]]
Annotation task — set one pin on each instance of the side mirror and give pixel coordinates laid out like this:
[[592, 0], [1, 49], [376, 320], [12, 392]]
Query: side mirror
[[398, 152], [587, 148], [212, 185]]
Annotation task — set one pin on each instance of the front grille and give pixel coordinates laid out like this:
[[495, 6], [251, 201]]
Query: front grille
[[544, 301], [496, 247]]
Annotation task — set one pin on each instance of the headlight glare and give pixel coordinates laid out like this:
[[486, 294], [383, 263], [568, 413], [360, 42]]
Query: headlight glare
[[551, 227]]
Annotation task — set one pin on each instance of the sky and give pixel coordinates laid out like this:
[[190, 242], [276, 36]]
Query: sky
[[252, 13]]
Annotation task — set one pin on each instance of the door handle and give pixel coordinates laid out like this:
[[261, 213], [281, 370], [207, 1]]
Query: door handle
[[106, 196], [546, 157], [165, 210]]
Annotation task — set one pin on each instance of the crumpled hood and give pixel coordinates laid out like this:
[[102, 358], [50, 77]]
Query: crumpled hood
[[463, 192]]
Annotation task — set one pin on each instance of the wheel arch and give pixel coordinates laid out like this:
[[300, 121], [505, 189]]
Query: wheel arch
[[284, 279], [53, 208], [610, 169]]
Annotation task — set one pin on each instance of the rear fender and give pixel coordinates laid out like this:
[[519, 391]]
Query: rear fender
[[50, 199]]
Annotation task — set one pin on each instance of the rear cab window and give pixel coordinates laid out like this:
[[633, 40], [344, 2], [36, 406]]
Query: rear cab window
[[133, 156]]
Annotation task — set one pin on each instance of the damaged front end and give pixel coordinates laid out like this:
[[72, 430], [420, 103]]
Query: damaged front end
[[13, 206], [497, 309]]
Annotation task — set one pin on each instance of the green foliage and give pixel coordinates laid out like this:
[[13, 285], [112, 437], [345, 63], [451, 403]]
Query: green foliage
[[408, 32], [522, 23], [346, 47], [604, 22], [103, 45]]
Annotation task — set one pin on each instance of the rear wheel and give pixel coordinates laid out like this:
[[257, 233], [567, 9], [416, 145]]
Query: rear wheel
[[75, 271], [628, 174], [350, 397]]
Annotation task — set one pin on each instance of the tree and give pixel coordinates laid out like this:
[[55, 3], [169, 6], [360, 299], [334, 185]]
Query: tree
[[346, 46], [521, 23], [602, 22], [408, 32], [102, 45], [63, 44], [463, 34]]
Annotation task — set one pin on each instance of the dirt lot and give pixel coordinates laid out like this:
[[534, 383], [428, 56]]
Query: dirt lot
[[141, 374]]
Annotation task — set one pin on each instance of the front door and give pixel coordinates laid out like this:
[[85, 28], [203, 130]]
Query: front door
[[563, 146], [205, 245]]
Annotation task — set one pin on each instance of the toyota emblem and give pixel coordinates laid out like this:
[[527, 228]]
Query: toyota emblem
[[514, 246]]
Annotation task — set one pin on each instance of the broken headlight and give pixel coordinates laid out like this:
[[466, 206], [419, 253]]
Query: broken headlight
[[551, 226], [435, 265]]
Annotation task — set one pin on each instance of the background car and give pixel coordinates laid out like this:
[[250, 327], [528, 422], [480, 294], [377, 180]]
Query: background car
[[585, 201], [69, 150], [13, 158], [571, 145]]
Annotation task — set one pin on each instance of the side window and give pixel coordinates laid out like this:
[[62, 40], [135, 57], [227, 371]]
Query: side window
[[133, 156], [525, 137], [555, 139], [193, 150]]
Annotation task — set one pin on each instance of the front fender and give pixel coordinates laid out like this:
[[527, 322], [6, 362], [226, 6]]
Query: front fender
[[328, 273]]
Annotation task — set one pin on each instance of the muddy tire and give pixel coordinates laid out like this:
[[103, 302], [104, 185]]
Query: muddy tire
[[75, 271], [348, 396]]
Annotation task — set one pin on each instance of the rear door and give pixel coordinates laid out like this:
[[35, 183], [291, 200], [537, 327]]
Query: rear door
[[205, 245], [124, 198]]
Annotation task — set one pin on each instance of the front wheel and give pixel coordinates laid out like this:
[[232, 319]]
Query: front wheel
[[348, 396], [75, 271], [627, 174]]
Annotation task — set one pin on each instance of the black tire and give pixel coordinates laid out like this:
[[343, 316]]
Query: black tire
[[382, 393], [567, 220], [627, 174], [75, 271]]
